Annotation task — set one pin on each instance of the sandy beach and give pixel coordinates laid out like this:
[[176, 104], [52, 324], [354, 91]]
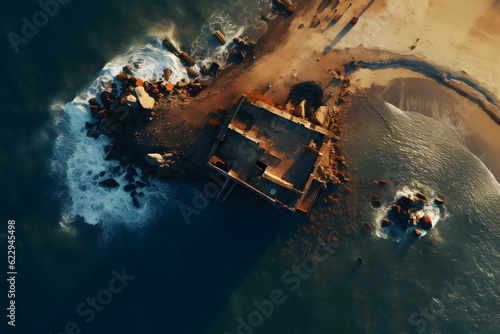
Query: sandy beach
[[310, 46]]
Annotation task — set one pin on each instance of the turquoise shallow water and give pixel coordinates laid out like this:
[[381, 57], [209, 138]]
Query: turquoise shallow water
[[199, 278]]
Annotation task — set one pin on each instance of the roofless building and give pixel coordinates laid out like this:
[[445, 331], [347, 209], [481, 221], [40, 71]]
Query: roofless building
[[270, 152]]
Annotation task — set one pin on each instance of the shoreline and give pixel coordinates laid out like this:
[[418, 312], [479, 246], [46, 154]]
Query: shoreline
[[413, 91], [288, 53]]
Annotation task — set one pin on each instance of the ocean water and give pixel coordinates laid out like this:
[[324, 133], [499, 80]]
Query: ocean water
[[73, 237]]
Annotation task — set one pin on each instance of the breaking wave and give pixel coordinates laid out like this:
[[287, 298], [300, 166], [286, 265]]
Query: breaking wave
[[78, 163]]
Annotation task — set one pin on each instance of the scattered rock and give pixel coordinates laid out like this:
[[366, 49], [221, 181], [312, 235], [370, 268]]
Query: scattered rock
[[425, 222], [382, 182], [300, 111], [127, 69], [416, 233], [129, 187], [146, 101], [122, 76], [136, 202], [386, 223], [377, 203], [109, 183], [422, 197], [132, 101], [439, 201], [320, 117], [167, 156], [154, 159]]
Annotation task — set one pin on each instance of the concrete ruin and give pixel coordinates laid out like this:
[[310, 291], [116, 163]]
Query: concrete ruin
[[272, 153]]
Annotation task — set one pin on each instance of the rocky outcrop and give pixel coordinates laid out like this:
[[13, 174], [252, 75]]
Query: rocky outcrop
[[408, 212]]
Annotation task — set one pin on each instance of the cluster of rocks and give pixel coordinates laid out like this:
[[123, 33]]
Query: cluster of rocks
[[320, 116], [334, 169], [135, 183], [165, 165], [117, 113], [407, 212]]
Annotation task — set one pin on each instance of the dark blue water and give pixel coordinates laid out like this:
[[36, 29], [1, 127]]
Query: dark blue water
[[74, 239]]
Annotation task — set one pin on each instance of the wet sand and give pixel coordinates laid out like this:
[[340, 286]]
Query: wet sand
[[412, 91], [296, 50]]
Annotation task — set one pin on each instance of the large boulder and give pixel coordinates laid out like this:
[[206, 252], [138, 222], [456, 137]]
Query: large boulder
[[154, 159], [320, 117], [300, 111], [439, 201], [425, 222], [146, 101]]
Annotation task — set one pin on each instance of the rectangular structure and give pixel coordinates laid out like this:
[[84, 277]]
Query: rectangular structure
[[270, 152]]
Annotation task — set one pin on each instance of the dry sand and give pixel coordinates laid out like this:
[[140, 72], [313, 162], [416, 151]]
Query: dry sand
[[461, 38]]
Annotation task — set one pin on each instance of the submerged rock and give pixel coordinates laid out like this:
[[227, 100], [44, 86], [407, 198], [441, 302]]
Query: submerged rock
[[416, 233], [386, 223], [136, 202], [425, 222], [129, 187], [409, 212], [439, 201], [109, 183]]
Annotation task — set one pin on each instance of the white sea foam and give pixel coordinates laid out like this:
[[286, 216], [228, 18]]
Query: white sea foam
[[431, 210], [78, 159]]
